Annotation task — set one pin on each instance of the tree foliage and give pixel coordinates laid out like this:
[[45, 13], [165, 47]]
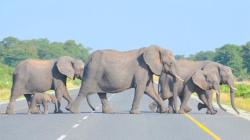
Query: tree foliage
[[13, 50], [235, 56]]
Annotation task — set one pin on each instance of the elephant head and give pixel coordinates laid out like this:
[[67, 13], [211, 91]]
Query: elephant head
[[211, 76], [70, 67], [160, 60]]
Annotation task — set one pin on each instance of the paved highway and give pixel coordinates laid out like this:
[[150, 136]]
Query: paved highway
[[121, 125]]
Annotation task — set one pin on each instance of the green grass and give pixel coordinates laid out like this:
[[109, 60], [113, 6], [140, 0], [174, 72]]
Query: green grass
[[243, 90], [5, 76]]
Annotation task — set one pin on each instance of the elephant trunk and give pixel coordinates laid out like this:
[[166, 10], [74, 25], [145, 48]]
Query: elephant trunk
[[232, 99], [218, 101]]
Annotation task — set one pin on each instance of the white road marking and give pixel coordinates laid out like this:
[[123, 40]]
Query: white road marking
[[76, 125], [85, 117], [61, 137]]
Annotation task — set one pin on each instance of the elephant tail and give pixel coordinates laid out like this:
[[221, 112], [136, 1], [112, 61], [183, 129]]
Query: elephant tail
[[89, 103]]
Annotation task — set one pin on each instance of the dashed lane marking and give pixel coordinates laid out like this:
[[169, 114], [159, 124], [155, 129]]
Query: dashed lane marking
[[202, 127], [85, 117], [76, 125], [61, 137]]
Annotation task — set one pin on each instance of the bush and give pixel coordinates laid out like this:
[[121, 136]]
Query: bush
[[243, 90], [6, 76]]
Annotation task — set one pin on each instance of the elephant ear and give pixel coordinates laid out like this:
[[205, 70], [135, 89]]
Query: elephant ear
[[152, 58], [199, 79], [64, 65]]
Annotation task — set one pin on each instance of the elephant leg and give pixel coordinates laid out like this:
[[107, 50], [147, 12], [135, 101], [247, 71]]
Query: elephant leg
[[186, 97], [59, 95], [15, 93], [156, 97], [75, 106], [34, 108], [46, 108], [153, 106], [67, 97], [28, 98], [171, 105], [187, 108], [139, 90], [105, 104], [56, 106], [209, 97], [206, 98]]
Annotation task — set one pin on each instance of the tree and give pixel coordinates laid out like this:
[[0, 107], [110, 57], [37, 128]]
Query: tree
[[204, 55], [12, 50], [246, 56], [230, 55]]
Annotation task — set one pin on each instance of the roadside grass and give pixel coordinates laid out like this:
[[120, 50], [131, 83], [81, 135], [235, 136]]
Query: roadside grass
[[240, 102]]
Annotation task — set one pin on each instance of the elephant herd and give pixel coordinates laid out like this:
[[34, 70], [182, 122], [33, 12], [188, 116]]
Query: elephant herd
[[110, 71]]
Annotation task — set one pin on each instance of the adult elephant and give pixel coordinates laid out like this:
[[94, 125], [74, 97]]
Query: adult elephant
[[32, 76], [113, 71], [201, 77]]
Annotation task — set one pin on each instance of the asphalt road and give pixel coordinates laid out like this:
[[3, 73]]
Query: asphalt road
[[121, 125]]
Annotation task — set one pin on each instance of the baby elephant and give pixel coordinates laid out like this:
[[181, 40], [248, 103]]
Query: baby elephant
[[42, 99]]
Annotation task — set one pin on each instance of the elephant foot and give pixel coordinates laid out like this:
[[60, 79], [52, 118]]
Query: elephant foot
[[170, 109], [201, 106], [134, 112], [46, 112], [72, 110], [164, 110], [211, 112], [187, 109], [107, 110], [59, 111], [153, 107], [10, 111], [181, 111]]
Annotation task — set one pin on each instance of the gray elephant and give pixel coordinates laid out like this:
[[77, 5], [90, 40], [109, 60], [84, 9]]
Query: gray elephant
[[201, 77], [32, 76], [113, 71], [42, 99]]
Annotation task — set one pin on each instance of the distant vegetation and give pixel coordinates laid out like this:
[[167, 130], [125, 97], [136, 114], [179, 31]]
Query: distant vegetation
[[235, 56], [13, 50]]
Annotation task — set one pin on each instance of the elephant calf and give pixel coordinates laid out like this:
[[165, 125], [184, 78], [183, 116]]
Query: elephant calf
[[42, 99]]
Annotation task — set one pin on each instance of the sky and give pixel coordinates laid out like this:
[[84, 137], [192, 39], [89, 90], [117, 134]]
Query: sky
[[183, 26]]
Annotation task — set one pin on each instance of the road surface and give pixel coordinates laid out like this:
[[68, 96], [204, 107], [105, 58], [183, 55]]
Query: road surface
[[121, 125]]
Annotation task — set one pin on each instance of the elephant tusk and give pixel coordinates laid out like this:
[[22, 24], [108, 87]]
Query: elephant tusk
[[234, 88], [178, 77]]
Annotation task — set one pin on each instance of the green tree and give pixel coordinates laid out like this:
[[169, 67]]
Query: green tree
[[230, 55], [204, 55], [246, 56]]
